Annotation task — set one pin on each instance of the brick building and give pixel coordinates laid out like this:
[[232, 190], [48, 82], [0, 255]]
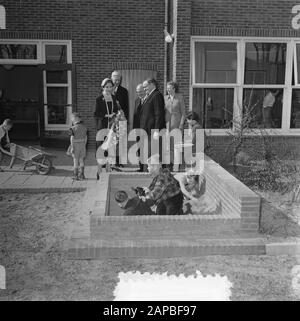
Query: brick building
[[225, 55]]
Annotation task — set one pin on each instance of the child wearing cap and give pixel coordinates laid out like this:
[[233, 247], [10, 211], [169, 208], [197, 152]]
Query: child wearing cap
[[78, 139], [4, 138]]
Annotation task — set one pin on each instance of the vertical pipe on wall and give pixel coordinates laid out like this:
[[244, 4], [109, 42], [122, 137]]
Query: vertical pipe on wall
[[166, 46]]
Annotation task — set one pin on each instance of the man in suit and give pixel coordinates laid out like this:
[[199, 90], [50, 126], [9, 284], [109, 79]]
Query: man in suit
[[120, 92], [152, 114], [137, 112], [141, 94]]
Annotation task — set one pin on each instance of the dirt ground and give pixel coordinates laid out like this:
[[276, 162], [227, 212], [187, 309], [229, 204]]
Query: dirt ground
[[33, 228]]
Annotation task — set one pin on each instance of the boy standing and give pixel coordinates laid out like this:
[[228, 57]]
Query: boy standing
[[78, 141], [4, 138]]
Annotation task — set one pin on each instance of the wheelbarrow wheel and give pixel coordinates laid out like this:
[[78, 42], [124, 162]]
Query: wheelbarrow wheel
[[44, 170]]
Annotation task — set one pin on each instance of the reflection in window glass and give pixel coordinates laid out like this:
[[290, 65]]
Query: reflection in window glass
[[215, 62], [265, 63], [295, 112], [56, 54], [214, 106], [18, 51], [57, 98], [264, 106]]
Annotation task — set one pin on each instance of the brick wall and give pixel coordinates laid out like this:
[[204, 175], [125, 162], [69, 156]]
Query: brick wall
[[245, 14], [102, 35], [181, 55], [237, 200]]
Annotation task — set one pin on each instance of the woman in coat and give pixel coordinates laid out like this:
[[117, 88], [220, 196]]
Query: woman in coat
[[174, 114], [106, 110]]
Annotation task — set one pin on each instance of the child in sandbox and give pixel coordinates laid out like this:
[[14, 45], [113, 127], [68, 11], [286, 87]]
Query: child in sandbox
[[132, 206], [196, 201], [4, 139], [77, 147]]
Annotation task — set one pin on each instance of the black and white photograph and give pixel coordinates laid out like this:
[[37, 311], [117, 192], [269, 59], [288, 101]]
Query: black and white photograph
[[149, 152]]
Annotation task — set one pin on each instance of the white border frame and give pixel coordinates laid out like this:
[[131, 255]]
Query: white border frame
[[239, 86]]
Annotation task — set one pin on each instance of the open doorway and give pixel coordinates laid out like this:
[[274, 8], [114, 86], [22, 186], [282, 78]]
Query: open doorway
[[19, 100]]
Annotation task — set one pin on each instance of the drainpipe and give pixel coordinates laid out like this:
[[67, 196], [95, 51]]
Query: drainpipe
[[166, 46]]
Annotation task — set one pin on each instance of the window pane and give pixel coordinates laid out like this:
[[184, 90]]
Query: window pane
[[57, 77], [215, 62], [18, 51], [57, 105], [56, 54], [264, 107], [265, 63], [214, 106], [295, 113]]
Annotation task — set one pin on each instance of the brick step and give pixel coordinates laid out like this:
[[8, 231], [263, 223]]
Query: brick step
[[103, 249], [165, 229]]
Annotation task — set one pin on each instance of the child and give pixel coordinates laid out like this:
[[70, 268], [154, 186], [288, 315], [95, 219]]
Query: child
[[4, 138], [132, 206], [78, 141]]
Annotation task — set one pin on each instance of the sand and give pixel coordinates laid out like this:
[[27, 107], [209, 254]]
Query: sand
[[34, 227]]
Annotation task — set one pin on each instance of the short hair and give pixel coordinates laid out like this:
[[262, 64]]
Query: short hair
[[152, 81], [139, 86], [193, 116], [118, 72], [8, 122], [174, 84], [121, 196], [76, 115]]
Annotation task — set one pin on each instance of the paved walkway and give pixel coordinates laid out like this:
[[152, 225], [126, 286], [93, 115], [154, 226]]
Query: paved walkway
[[60, 178]]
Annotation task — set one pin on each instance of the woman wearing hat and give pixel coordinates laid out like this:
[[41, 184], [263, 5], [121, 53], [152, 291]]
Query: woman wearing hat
[[106, 109], [106, 106]]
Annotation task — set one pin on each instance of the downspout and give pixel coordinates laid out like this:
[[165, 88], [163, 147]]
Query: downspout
[[166, 25]]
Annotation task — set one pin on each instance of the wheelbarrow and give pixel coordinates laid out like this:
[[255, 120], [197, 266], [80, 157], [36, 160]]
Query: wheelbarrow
[[31, 157]]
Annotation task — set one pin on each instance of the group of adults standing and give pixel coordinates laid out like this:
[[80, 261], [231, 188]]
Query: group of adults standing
[[152, 110]]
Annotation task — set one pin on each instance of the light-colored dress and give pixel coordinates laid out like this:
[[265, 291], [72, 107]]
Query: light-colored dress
[[174, 111]]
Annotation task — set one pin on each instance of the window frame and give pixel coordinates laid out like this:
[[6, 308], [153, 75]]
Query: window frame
[[36, 61], [41, 60], [239, 87], [58, 127]]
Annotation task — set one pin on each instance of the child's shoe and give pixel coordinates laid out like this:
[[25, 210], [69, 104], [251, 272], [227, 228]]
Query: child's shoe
[[75, 174], [81, 173]]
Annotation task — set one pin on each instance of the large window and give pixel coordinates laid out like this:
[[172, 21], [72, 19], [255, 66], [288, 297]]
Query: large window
[[215, 78], [260, 75]]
